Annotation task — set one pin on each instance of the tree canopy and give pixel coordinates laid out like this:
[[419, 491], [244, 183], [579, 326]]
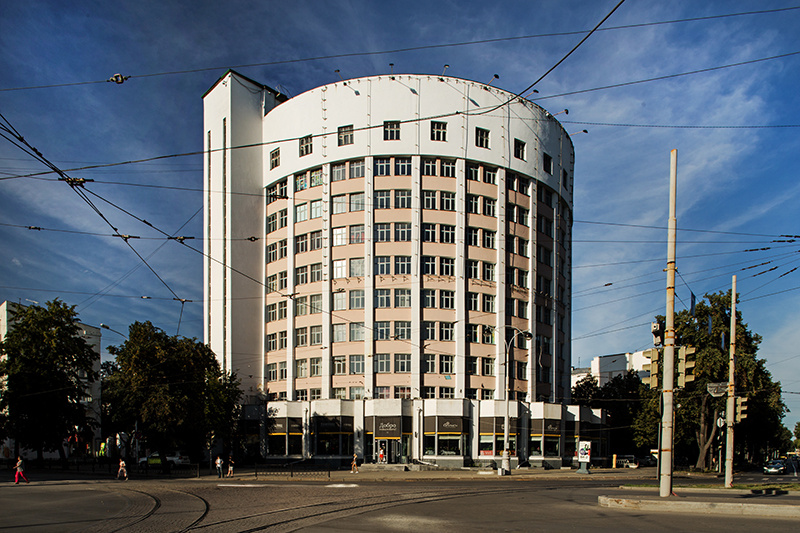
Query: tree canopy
[[172, 389], [47, 370]]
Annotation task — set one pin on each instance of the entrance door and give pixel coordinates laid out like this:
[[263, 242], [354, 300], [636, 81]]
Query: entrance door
[[382, 451]]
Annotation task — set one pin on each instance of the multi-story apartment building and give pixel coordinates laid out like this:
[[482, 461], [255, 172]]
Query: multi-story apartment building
[[388, 265]]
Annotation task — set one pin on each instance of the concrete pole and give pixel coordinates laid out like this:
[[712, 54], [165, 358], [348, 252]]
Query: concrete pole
[[730, 410], [665, 454]]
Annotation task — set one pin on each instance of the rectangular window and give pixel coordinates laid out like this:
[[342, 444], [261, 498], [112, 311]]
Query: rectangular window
[[471, 236], [402, 265], [428, 232], [282, 307], [339, 365], [446, 364], [522, 247], [488, 239], [356, 331], [428, 167], [488, 303], [547, 163], [472, 301], [275, 158], [438, 131], [339, 332], [428, 331], [301, 336], [383, 298], [448, 168], [402, 392], [357, 168], [316, 177], [447, 331], [301, 244], [519, 149], [356, 234], [447, 266], [356, 364], [345, 135], [447, 299], [428, 265], [383, 232], [301, 368], [356, 267], [282, 280], [428, 199], [316, 209], [490, 175], [402, 363], [522, 278], [473, 269], [488, 271], [339, 268], [489, 207], [487, 366], [357, 201], [382, 365], [402, 297], [382, 393], [511, 242], [272, 372], [357, 393], [448, 201], [315, 366], [473, 172], [301, 275], [382, 328], [339, 204], [524, 185], [383, 265], [338, 172], [382, 199], [473, 204], [402, 166], [272, 343], [339, 236], [472, 332], [481, 138], [357, 299], [383, 166], [301, 213], [402, 330], [428, 298], [522, 216], [315, 272], [429, 392], [391, 130], [546, 226], [306, 145], [447, 234], [315, 335], [402, 231], [488, 335], [472, 366], [402, 199], [429, 363], [300, 182], [339, 300]]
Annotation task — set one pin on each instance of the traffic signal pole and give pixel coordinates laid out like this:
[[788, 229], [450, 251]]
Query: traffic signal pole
[[730, 410], [665, 453]]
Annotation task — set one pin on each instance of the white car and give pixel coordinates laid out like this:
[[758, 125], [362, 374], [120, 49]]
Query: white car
[[173, 458]]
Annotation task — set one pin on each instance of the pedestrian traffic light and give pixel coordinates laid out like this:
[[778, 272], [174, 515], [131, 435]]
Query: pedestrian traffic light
[[652, 381], [686, 365], [741, 409]]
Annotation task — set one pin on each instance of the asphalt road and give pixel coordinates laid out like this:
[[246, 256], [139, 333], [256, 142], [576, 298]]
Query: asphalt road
[[354, 503]]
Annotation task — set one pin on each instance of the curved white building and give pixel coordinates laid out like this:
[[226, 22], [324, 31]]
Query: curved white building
[[379, 252]]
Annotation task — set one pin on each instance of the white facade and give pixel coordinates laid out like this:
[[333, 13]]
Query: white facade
[[372, 243], [606, 367]]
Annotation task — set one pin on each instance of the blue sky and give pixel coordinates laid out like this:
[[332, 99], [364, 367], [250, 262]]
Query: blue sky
[[736, 183]]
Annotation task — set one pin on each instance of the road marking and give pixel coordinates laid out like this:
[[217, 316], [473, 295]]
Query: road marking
[[341, 486]]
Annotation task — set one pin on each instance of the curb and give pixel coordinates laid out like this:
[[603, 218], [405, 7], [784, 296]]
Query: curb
[[737, 509]]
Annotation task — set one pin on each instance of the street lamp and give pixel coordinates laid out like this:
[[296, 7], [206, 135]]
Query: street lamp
[[105, 326], [506, 464]]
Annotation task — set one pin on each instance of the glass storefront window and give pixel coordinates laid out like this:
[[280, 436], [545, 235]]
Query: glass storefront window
[[551, 447], [449, 444], [295, 445], [486, 445], [429, 445], [535, 446], [328, 444], [277, 444]]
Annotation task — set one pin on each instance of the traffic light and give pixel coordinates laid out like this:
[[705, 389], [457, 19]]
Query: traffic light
[[658, 333], [652, 381], [686, 364], [741, 409]]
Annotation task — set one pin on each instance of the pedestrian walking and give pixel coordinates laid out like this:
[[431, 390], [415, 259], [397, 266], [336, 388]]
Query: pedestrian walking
[[381, 456], [20, 468], [219, 466], [354, 465], [122, 470], [230, 466]]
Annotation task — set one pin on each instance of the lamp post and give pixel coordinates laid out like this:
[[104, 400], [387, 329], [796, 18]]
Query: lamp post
[[104, 326], [507, 343]]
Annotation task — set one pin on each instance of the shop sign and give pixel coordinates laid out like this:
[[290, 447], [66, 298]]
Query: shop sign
[[387, 427]]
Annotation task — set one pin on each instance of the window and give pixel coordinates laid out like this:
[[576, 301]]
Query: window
[[428, 232], [315, 271], [448, 169], [272, 372], [447, 266], [429, 392], [316, 177], [357, 299], [402, 330], [489, 207], [472, 332], [339, 300], [523, 186], [547, 163], [472, 301], [402, 231], [382, 332], [382, 365], [447, 234], [402, 363], [511, 242], [488, 303], [301, 368], [282, 280], [522, 215], [382, 393], [511, 307], [339, 236], [340, 268], [345, 135], [339, 204], [429, 363], [428, 298], [402, 297], [356, 331], [473, 204], [272, 222], [272, 344], [391, 130], [428, 167], [356, 267], [402, 166], [402, 199], [316, 209], [428, 199], [356, 393], [522, 309], [490, 175], [438, 131], [428, 265], [383, 232], [339, 365], [301, 275], [383, 298], [382, 199], [522, 248], [301, 336], [487, 368], [356, 234], [522, 278], [488, 335], [488, 271], [511, 181], [488, 239], [445, 364], [544, 285], [473, 269], [315, 335], [315, 365], [301, 244], [448, 201], [428, 331], [402, 265], [447, 299], [546, 226], [545, 255], [383, 265], [473, 172], [357, 201], [356, 364], [301, 213], [546, 196], [519, 149], [357, 168], [447, 331], [383, 166], [282, 370], [488, 394], [282, 306], [472, 366], [481, 138], [306, 146], [275, 158], [338, 172], [339, 332], [402, 392]]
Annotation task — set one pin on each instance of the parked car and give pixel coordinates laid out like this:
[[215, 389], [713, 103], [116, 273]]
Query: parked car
[[775, 467], [173, 458]]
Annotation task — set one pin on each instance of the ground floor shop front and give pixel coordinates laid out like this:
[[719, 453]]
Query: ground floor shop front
[[445, 432]]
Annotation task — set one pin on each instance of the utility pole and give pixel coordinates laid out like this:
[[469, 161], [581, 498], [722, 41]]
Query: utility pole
[[665, 453], [729, 411]]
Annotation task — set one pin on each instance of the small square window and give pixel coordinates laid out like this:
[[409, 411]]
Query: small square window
[[274, 158], [519, 149], [306, 145], [391, 130], [481, 138], [345, 135], [402, 166], [438, 131]]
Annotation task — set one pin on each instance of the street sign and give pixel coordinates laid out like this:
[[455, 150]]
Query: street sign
[[717, 390]]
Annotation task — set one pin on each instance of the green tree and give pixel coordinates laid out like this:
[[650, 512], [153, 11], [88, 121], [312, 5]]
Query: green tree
[[48, 370], [172, 388]]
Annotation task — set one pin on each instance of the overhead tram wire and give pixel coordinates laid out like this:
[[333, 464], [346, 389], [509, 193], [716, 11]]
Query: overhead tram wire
[[406, 49]]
